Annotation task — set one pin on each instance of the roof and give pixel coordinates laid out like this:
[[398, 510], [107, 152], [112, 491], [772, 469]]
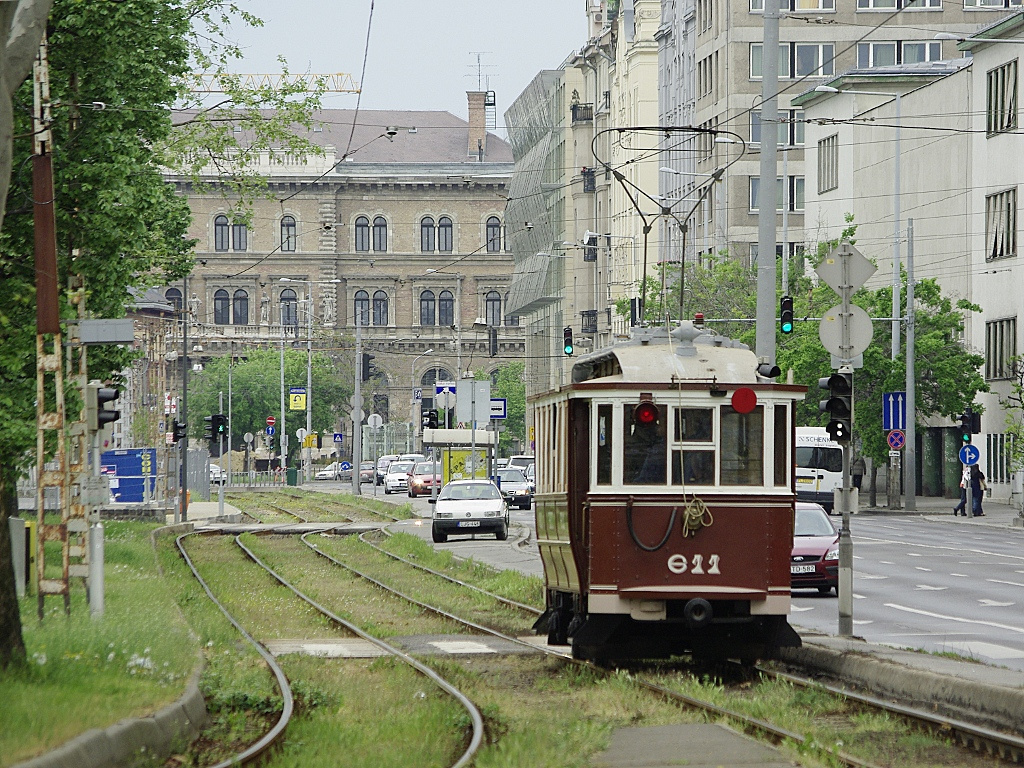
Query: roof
[[911, 76], [993, 33]]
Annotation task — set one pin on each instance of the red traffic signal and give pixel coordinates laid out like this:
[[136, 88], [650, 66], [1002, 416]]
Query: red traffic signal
[[646, 413]]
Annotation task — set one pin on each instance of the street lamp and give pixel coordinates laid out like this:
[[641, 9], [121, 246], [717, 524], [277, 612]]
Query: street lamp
[[412, 379]]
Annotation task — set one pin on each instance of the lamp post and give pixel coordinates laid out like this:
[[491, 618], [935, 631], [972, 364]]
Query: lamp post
[[412, 397]]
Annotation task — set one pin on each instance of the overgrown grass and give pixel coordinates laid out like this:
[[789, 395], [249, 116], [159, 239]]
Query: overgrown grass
[[133, 660]]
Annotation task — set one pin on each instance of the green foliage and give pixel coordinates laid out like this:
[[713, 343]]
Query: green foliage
[[511, 385]]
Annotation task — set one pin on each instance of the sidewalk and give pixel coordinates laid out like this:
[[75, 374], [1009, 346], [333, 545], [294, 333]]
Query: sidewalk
[[997, 514]]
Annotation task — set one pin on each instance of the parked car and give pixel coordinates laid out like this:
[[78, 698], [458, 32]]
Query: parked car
[[423, 478], [469, 506], [413, 457], [367, 470], [814, 563], [217, 475], [397, 477], [515, 487], [382, 466], [331, 472], [520, 462]]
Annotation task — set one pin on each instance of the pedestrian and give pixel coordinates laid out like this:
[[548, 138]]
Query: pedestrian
[[857, 470], [961, 508], [978, 487]]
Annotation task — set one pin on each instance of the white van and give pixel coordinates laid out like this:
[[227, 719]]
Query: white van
[[819, 466]]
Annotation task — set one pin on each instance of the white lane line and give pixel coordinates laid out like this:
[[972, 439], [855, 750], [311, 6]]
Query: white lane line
[[800, 608], [857, 597], [1011, 583], [961, 575], [868, 621], [955, 549], [918, 611], [994, 603], [920, 568], [886, 562], [914, 554], [930, 588], [870, 576]]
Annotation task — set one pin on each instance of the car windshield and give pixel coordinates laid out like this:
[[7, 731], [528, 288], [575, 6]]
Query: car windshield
[[424, 468], [511, 476], [399, 466], [813, 521], [471, 491]]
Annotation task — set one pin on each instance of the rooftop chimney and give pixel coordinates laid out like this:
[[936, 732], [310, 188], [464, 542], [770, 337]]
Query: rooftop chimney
[[477, 125]]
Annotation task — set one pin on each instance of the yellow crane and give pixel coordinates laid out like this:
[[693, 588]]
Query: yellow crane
[[337, 82]]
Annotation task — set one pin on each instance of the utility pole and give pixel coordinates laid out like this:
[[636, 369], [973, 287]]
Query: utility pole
[[183, 484], [220, 450], [357, 413], [766, 216], [910, 471]]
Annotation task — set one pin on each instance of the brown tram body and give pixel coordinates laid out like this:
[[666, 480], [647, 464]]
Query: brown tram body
[[665, 501]]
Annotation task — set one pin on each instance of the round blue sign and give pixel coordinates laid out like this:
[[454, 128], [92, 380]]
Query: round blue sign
[[270, 430], [346, 465], [969, 455]]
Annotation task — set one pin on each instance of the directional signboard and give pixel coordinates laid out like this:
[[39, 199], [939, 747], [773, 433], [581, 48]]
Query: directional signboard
[[297, 399], [894, 410], [969, 455], [499, 408]]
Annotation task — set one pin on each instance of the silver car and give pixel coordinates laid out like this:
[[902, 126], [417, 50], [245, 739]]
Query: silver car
[[515, 487], [469, 506], [397, 478]]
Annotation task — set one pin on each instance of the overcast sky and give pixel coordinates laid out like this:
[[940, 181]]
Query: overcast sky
[[421, 55]]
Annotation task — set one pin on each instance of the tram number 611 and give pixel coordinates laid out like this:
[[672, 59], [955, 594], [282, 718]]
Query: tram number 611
[[678, 564]]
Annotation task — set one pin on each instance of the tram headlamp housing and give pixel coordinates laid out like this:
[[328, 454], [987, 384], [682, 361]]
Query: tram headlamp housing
[[646, 413]]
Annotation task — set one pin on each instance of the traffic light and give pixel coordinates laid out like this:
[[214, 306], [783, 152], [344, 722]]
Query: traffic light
[[220, 424], [179, 430], [967, 426], [493, 341], [786, 314], [567, 340], [367, 366], [431, 419], [209, 428], [839, 405], [97, 415]]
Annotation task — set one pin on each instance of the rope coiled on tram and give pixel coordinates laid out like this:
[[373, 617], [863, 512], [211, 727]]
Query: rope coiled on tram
[[696, 515]]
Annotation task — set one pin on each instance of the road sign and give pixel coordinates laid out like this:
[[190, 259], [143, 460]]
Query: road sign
[[969, 455], [499, 408], [845, 256], [301, 433], [894, 410], [417, 394], [271, 421], [345, 465], [846, 329], [297, 399], [444, 387], [473, 401], [339, 437], [248, 437], [375, 421], [271, 431], [896, 439], [830, 331]]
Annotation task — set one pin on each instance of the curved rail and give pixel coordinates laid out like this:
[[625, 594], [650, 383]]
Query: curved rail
[[474, 713], [270, 737]]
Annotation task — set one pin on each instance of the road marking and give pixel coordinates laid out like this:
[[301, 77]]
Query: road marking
[[994, 603], [961, 575], [1011, 583], [857, 597], [870, 576], [886, 562], [914, 554], [956, 550], [864, 621], [922, 568], [799, 608], [930, 588], [460, 646], [997, 625]]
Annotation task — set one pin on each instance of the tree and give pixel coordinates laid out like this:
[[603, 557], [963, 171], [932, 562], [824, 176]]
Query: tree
[[511, 385]]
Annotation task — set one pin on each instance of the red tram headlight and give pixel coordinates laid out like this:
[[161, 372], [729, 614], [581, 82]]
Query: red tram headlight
[[645, 413]]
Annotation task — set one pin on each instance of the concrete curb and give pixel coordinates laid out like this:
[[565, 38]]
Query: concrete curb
[[121, 743], [956, 696]]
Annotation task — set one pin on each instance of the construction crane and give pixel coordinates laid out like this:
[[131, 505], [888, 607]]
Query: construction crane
[[336, 82]]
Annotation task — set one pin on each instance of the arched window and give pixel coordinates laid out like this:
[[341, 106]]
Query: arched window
[[239, 237], [428, 380], [380, 234], [362, 233], [446, 309], [511, 320], [493, 306], [493, 234], [427, 308], [173, 297], [362, 308], [289, 308], [427, 234], [221, 307], [288, 237], [220, 233], [444, 235], [240, 307], [380, 308]]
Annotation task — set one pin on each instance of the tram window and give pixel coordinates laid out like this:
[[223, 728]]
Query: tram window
[[643, 449], [693, 425], [782, 472], [742, 448], [604, 445], [693, 467]]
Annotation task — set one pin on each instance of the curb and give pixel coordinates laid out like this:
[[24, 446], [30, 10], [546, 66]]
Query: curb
[[997, 706]]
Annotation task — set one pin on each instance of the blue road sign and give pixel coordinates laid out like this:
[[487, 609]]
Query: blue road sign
[[894, 411], [346, 465], [969, 455], [445, 388], [270, 430], [339, 437], [897, 439]]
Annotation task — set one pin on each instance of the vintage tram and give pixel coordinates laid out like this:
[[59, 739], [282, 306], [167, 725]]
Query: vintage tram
[[665, 501]]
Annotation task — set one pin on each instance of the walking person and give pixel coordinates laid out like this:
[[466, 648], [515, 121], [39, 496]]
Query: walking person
[[857, 470], [961, 508], [978, 487]]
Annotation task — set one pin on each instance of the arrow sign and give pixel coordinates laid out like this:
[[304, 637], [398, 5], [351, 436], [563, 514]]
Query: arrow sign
[[894, 411], [969, 455]]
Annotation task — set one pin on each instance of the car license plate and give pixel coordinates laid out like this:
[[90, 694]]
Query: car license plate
[[805, 479], [801, 569], [469, 524]]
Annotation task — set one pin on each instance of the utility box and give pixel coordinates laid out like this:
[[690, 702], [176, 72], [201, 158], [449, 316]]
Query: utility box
[[293, 476], [19, 553]]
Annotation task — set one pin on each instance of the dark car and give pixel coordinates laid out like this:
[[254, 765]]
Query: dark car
[[515, 487], [424, 477], [469, 506], [814, 563], [367, 470]]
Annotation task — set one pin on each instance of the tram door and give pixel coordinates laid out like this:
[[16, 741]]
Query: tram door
[[578, 474]]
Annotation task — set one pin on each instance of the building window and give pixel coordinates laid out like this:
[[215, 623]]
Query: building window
[[795, 190], [362, 308], [493, 234], [813, 59], [444, 235], [173, 297], [362, 233], [828, 163], [240, 307], [380, 234], [220, 233], [756, 52], [999, 465], [791, 127], [427, 234], [239, 237], [289, 308], [446, 309], [492, 304], [1000, 348], [427, 308], [221, 308], [891, 5], [1001, 224], [986, 4], [288, 237], [885, 54], [380, 308], [1001, 103], [796, 6], [510, 320]]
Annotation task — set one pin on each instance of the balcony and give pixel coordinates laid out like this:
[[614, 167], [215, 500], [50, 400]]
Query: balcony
[[589, 320], [589, 184], [582, 113]]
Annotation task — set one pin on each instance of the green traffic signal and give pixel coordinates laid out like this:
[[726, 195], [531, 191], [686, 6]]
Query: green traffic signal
[[567, 340], [786, 314]]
